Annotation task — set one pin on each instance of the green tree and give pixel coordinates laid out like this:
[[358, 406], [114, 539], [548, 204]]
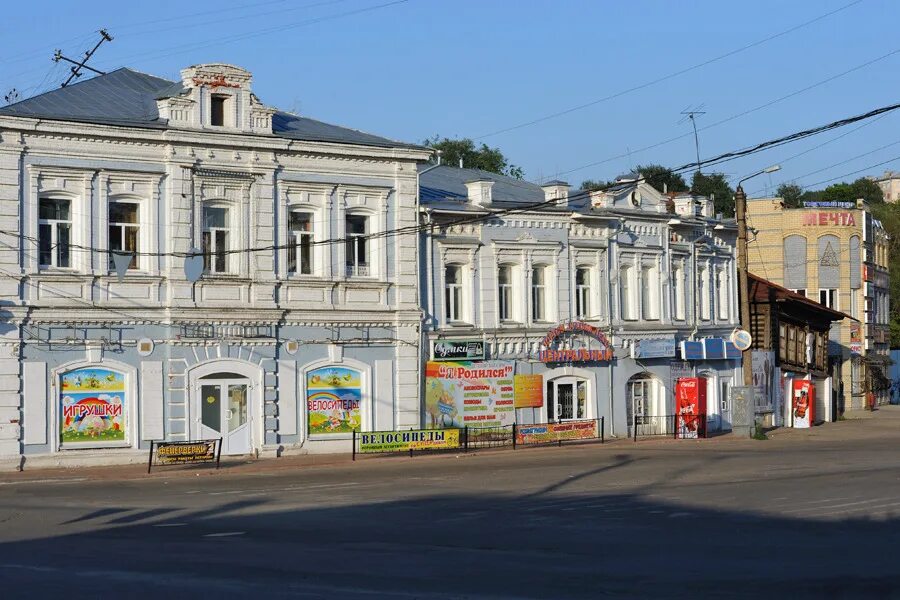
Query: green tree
[[863, 188], [791, 193], [715, 185], [481, 157], [589, 185], [662, 178]]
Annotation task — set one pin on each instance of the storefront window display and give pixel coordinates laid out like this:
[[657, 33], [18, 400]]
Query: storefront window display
[[93, 411], [333, 400]]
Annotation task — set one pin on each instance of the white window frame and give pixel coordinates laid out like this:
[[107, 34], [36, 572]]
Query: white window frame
[[577, 383], [723, 293], [354, 267], [539, 290], [138, 262], [649, 293], [705, 293], [583, 293], [679, 290], [628, 308], [455, 305], [54, 234], [211, 266], [506, 294], [295, 243], [832, 297]]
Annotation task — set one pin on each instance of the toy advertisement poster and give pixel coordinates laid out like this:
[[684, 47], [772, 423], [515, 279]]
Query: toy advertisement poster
[[92, 408], [478, 394], [333, 400]]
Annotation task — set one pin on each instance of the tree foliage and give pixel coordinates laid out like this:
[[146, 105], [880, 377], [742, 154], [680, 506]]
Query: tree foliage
[[481, 157], [662, 178], [791, 193], [716, 186], [589, 185]]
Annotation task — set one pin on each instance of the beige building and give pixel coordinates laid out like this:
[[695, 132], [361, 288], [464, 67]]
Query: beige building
[[836, 254], [889, 182]]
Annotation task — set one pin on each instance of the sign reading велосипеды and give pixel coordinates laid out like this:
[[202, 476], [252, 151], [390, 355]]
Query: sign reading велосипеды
[[401, 441]]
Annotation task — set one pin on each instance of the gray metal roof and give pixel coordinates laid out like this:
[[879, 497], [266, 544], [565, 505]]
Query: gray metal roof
[[126, 97]]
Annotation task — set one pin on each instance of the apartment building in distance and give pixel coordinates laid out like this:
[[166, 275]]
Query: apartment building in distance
[[835, 253]]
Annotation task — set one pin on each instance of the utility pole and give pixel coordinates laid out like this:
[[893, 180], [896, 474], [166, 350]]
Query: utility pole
[[691, 113], [740, 211], [76, 70]]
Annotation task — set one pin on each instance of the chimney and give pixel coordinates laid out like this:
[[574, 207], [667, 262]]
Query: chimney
[[479, 191], [556, 190]]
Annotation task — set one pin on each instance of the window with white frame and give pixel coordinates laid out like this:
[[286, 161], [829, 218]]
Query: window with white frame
[[679, 291], [829, 297], [300, 248], [124, 231], [722, 299], [705, 310], [454, 309], [628, 290], [539, 293], [357, 245], [54, 232], [649, 293], [216, 233], [582, 293], [505, 292]]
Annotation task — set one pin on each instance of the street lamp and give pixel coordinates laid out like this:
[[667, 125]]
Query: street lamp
[[740, 210]]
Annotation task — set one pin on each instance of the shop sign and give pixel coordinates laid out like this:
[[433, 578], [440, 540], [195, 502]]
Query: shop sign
[[829, 218], [659, 348], [679, 369], [185, 453], [333, 400], [555, 432], [478, 394], [692, 350], [822, 204], [714, 348], [551, 355], [731, 351], [528, 391], [401, 441], [458, 350], [92, 408]]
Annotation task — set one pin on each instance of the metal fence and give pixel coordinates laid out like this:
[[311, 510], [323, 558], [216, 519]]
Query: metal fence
[[582, 430], [489, 437], [676, 426]]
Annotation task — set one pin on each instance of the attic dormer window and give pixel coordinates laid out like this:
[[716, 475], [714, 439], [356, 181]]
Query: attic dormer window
[[217, 110]]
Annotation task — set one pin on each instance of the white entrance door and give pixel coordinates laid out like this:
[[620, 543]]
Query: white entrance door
[[725, 403], [713, 405], [225, 413], [570, 397]]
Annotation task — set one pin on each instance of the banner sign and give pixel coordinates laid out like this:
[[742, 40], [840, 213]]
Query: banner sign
[[551, 355], [821, 204], [185, 453], [401, 441], [480, 394], [528, 391], [458, 350], [93, 412], [714, 348], [333, 399], [659, 348], [692, 350], [556, 432]]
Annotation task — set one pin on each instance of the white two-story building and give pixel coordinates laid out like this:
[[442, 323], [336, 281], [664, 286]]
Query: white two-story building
[[609, 296], [304, 323]]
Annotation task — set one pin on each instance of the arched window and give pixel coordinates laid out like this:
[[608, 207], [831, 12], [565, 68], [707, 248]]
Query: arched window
[[539, 293], [216, 238], [54, 232], [333, 400], [300, 239], [93, 411], [795, 263], [705, 300], [357, 246], [724, 305]]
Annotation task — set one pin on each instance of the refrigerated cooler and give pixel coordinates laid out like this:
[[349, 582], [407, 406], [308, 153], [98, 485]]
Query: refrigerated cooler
[[690, 408], [803, 403]]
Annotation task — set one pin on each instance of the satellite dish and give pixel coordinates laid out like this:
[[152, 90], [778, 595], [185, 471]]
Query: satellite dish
[[193, 265], [121, 262]]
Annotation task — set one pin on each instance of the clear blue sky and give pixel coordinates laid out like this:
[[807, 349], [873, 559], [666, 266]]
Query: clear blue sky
[[470, 67]]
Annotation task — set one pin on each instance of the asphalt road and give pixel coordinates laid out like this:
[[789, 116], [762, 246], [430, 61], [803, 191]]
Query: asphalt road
[[803, 515]]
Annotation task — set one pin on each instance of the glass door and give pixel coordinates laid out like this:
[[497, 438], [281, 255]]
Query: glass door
[[225, 413], [567, 399]]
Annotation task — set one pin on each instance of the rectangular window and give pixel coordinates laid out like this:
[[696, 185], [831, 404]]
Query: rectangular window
[[538, 294], [357, 227], [505, 292], [300, 250], [582, 293], [124, 230], [215, 239], [705, 310], [724, 306], [649, 294], [679, 290], [217, 110], [801, 291], [54, 233], [453, 293], [829, 298], [782, 342], [628, 291]]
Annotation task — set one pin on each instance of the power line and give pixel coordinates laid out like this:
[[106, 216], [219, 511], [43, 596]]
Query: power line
[[76, 70], [666, 77], [414, 229]]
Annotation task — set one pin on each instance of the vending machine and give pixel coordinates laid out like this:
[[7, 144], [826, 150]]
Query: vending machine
[[690, 407], [803, 403]]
